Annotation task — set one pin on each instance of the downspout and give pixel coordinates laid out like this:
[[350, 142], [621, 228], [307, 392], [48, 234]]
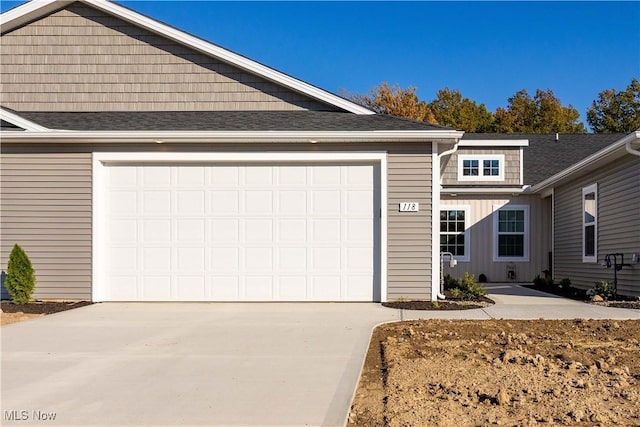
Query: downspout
[[631, 150], [436, 259], [447, 153]]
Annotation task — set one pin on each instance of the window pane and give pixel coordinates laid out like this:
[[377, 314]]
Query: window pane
[[589, 207], [470, 167], [511, 221], [460, 215], [491, 167], [511, 245], [590, 240]]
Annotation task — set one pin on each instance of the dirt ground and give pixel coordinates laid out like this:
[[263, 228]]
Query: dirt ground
[[499, 372], [12, 313]]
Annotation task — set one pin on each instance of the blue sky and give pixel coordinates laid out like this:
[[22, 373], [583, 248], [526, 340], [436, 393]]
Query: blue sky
[[487, 50]]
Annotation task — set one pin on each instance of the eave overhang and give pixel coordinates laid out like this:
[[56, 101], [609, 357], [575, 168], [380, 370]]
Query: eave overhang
[[312, 137]]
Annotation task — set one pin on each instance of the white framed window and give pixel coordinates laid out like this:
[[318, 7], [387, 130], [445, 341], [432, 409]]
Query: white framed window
[[590, 223], [454, 234], [481, 167], [511, 233]]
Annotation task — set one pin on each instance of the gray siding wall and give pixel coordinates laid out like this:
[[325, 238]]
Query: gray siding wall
[[80, 59], [46, 209], [409, 233], [481, 231], [511, 173], [618, 226]]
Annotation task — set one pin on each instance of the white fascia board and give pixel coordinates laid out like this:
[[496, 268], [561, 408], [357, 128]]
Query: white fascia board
[[494, 143], [21, 122], [59, 136], [611, 152], [226, 55], [29, 11], [485, 190]]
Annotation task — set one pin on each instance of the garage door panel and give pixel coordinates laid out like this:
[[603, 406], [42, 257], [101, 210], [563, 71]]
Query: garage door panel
[[156, 288], [241, 233]]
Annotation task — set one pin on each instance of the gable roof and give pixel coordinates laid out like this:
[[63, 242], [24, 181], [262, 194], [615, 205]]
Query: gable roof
[[36, 9], [545, 156]]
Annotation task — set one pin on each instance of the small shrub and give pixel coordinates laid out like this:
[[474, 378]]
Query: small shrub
[[604, 289], [565, 283], [21, 277], [450, 283], [468, 288], [539, 281]]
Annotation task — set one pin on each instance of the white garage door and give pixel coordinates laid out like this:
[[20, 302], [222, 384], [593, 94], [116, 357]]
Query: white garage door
[[242, 232]]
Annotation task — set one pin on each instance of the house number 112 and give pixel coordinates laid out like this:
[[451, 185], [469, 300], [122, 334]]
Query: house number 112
[[409, 207]]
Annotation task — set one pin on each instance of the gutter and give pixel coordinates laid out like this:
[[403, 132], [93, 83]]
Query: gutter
[[65, 136]]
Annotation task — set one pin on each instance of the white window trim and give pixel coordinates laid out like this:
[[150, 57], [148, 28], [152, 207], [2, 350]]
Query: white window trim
[[467, 229], [525, 257], [480, 158], [593, 188]]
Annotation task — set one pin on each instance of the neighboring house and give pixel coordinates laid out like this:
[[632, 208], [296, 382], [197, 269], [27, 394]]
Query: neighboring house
[[142, 163], [512, 207]]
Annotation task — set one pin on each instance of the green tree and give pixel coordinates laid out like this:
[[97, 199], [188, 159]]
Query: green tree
[[451, 109], [394, 101], [542, 113], [616, 111], [21, 277]]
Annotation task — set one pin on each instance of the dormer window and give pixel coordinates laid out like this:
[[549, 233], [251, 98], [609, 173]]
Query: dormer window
[[485, 167]]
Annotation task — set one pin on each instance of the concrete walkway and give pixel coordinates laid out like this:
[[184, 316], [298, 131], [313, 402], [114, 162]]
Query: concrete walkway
[[516, 302], [170, 364]]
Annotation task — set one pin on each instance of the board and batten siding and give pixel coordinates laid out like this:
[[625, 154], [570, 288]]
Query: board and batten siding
[[409, 266], [46, 209], [481, 232], [511, 172], [81, 59], [618, 226]]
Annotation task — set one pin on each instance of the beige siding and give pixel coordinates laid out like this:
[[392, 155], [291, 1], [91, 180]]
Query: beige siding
[[618, 226], [46, 209], [511, 172], [80, 59], [481, 232], [409, 234]]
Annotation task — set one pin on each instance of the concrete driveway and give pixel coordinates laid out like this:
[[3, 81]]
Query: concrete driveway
[[175, 364], [187, 364]]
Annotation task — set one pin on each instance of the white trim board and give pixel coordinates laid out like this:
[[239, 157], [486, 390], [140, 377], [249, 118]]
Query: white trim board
[[178, 137], [37, 8], [20, 121], [102, 160]]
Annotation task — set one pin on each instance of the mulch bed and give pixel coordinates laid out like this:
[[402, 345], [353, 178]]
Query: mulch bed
[[41, 307], [442, 305], [581, 295]]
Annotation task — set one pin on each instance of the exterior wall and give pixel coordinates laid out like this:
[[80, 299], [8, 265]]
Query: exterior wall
[[480, 228], [46, 209], [618, 226], [409, 233], [81, 59], [511, 173]]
